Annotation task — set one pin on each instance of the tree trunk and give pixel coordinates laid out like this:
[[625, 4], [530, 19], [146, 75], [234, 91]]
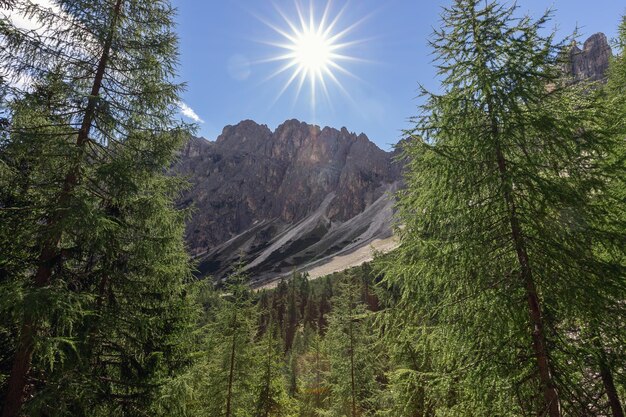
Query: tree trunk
[[609, 384], [231, 372], [540, 349], [19, 372], [352, 379], [49, 256]]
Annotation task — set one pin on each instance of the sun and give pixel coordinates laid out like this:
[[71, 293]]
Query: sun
[[313, 50]]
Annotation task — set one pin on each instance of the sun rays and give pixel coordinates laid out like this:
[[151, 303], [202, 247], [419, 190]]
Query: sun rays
[[313, 51]]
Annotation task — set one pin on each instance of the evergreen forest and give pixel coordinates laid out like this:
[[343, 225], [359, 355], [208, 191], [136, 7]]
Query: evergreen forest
[[505, 298]]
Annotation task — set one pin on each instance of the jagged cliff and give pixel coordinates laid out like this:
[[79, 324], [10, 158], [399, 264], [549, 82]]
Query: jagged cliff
[[285, 199], [591, 62]]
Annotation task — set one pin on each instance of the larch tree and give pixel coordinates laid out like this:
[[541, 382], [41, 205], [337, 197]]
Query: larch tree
[[409, 368], [350, 348], [94, 270], [313, 367], [271, 387], [232, 354], [498, 213], [607, 336], [324, 307], [297, 297]]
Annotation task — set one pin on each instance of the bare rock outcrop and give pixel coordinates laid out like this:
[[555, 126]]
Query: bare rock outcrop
[[286, 198], [592, 61]]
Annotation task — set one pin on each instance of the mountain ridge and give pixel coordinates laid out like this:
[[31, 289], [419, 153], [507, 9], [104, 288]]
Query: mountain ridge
[[284, 198]]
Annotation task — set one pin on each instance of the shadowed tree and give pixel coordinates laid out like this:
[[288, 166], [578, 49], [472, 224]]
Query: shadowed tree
[[93, 256], [609, 352]]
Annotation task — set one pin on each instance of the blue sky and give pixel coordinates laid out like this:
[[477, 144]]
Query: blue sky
[[222, 44]]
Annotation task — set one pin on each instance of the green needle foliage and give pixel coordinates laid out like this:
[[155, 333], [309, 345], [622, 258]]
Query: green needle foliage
[[497, 268], [313, 367], [93, 265], [609, 335], [352, 359], [232, 356], [271, 389]]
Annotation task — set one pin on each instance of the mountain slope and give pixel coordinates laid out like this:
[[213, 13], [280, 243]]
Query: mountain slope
[[286, 199]]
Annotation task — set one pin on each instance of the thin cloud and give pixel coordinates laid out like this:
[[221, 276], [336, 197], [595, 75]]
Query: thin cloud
[[23, 21], [189, 112]]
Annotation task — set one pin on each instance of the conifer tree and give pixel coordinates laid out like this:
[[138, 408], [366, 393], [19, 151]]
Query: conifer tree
[[608, 351], [272, 393], [279, 302], [313, 365], [304, 292], [324, 307], [409, 367], [266, 311], [233, 355], [292, 315], [94, 265], [349, 343], [495, 262], [311, 313]]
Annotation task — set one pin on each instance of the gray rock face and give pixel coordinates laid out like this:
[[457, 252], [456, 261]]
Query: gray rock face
[[286, 198], [591, 62]]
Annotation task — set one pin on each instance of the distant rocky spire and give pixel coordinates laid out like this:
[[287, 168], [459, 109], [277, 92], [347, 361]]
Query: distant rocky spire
[[591, 62]]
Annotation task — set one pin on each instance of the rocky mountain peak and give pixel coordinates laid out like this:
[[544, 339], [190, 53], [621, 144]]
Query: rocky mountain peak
[[245, 134], [591, 62], [597, 41], [301, 178]]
